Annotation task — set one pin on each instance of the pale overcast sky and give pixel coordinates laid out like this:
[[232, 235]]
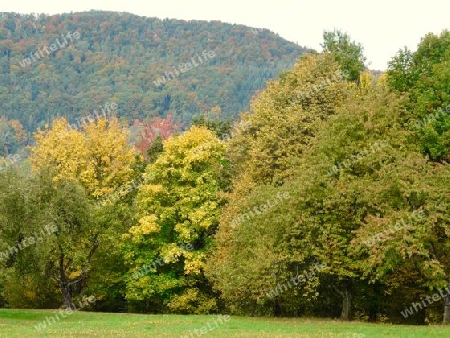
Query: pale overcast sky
[[381, 26]]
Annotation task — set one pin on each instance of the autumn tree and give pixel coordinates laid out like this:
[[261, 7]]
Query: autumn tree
[[99, 159], [359, 173], [332, 199], [360, 177], [284, 119], [153, 133], [98, 156], [178, 207]]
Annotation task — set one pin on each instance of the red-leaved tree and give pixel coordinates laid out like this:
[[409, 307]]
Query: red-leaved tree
[[151, 129]]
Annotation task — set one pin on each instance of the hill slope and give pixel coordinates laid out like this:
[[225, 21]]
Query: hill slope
[[139, 63]]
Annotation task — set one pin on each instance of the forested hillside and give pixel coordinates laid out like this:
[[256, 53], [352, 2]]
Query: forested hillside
[[139, 63]]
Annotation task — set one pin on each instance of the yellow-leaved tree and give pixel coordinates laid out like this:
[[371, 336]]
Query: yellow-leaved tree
[[98, 157], [178, 213]]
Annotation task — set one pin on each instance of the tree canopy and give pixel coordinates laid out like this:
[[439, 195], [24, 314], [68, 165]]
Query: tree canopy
[[327, 197]]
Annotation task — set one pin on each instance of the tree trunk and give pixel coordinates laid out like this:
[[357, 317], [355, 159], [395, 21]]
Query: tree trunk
[[277, 308], [373, 303], [446, 320], [346, 304], [67, 297], [62, 279], [373, 311], [68, 288], [346, 299]]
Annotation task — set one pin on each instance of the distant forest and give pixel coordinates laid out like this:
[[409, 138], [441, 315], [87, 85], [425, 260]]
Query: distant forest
[[120, 58]]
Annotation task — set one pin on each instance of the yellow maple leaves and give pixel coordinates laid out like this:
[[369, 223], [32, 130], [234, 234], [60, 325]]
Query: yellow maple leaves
[[147, 225], [178, 204], [98, 157]]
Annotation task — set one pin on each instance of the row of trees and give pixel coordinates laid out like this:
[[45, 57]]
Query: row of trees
[[364, 241]]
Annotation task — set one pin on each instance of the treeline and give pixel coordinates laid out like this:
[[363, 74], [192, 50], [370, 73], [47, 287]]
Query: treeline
[[330, 202]]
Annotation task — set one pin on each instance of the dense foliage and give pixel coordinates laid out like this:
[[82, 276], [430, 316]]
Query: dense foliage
[[329, 198]]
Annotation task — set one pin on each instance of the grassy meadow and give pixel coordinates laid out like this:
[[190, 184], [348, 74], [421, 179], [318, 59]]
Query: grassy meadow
[[23, 323]]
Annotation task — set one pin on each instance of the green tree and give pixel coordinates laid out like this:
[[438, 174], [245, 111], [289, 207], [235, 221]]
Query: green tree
[[400, 71], [265, 150], [22, 282], [361, 176], [212, 121], [51, 233], [75, 237], [346, 52], [424, 76]]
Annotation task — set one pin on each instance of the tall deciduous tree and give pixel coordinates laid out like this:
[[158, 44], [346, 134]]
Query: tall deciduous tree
[[98, 158], [22, 282], [178, 206], [425, 77], [52, 234], [265, 154], [74, 239], [361, 177]]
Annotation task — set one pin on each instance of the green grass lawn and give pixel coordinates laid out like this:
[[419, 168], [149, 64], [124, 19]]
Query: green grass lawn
[[21, 323]]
